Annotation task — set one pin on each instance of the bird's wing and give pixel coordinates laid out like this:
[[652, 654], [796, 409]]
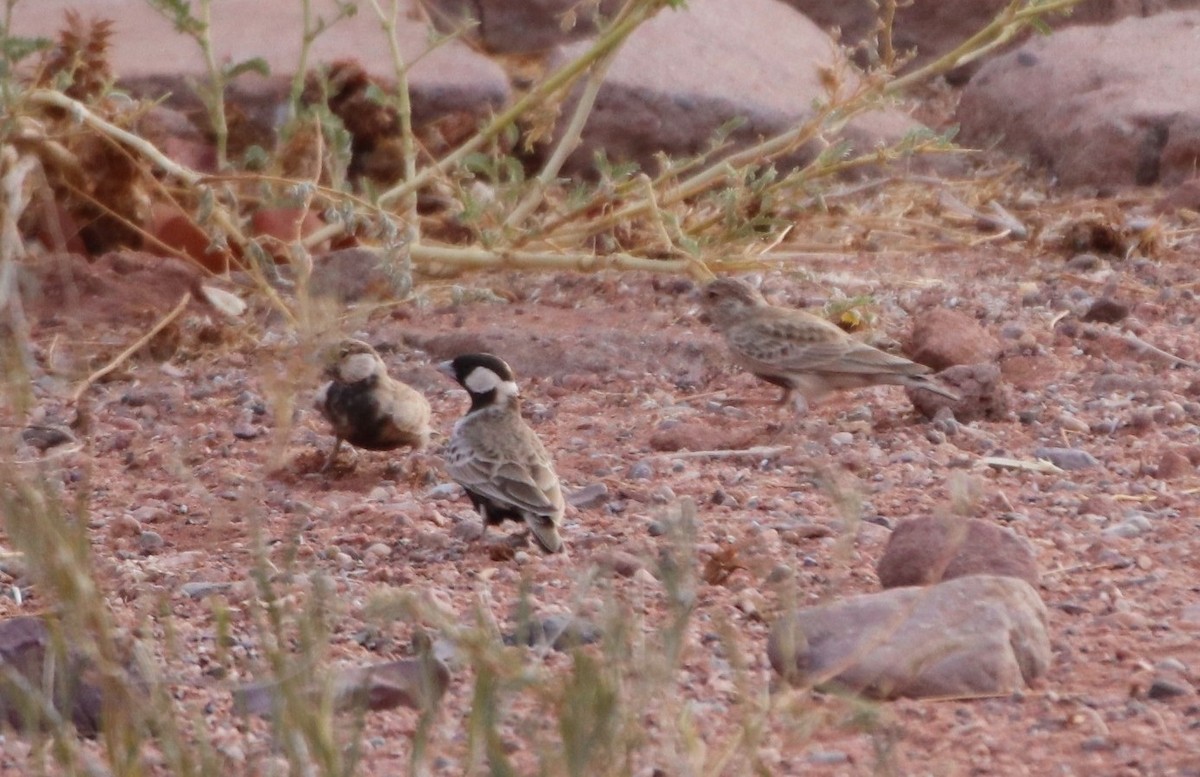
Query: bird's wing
[[508, 465], [793, 341], [405, 404]]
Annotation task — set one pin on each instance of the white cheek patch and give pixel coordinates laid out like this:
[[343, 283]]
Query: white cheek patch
[[358, 367], [481, 380]]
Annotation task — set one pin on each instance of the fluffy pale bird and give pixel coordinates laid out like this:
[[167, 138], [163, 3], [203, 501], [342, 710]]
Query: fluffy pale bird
[[367, 407], [497, 458], [807, 356]]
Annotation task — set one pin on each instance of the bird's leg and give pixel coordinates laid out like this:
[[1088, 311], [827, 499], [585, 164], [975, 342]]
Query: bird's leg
[[332, 455]]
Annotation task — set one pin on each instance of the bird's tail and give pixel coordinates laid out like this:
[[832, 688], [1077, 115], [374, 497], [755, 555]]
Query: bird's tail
[[929, 384], [545, 531]]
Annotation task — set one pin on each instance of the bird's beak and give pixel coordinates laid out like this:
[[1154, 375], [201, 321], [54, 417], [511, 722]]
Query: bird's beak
[[447, 368]]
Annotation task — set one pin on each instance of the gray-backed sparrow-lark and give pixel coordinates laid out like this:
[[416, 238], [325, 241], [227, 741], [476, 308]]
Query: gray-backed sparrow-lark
[[368, 408], [497, 458], [807, 356]]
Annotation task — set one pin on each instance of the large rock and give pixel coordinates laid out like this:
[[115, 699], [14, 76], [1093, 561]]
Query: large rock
[[686, 73], [520, 26], [927, 550], [931, 28], [150, 58], [942, 338], [968, 636], [1096, 105]]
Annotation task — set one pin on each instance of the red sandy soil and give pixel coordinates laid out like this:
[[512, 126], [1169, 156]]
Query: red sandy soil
[[197, 447]]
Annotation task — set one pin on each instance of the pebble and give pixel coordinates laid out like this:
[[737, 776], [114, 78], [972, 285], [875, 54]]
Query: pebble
[[444, 492], [1070, 459], [841, 438], [378, 494], [662, 494], [1133, 526], [150, 541], [199, 590], [589, 496], [643, 575], [1083, 262], [641, 470], [1096, 744], [1190, 615], [1163, 688], [378, 550], [1072, 424], [828, 757], [244, 430], [125, 526]]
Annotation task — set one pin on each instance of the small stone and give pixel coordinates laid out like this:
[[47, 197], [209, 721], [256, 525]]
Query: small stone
[[841, 438], [656, 529], [827, 757], [1083, 262], [589, 496], [1070, 459], [125, 526], [1163, 688], [378, 494], [246, 431], [1096, 744], [1072, 424], [1106, 311], [1174, 465], [644, 576], [662, 494], [1190, 615], [45, 437], [444, 492], [199, 590], [620, 562], [641, 470], [151, 541], [1133, 526], [379, 550]]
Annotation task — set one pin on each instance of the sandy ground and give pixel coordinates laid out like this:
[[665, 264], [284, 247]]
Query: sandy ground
[[190, 453]]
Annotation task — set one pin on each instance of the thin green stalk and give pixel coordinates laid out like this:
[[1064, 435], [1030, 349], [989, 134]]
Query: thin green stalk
[[302, 62], [557, 81], [412, 226], [216, 100], [566, 144], [1015, 16]]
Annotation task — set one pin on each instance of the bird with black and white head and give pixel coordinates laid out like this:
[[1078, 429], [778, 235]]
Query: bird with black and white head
[[497, 458], [367, 407]]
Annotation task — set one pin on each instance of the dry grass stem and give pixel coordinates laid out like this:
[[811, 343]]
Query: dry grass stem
[[137, 345]]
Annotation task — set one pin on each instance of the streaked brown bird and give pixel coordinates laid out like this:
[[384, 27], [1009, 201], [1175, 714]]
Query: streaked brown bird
[[368, 408], [807, 356], [497, 458]]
